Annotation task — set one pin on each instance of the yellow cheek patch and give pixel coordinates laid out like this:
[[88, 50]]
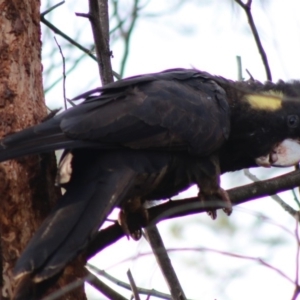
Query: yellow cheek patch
[[270, 101]]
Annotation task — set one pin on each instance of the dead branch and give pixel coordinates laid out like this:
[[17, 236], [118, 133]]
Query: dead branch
[[164, 262], [98, 16], [247, 8], [178, 208]]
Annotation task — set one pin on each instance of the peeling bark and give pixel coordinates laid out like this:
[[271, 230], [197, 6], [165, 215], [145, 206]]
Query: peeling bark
[[26, 185]]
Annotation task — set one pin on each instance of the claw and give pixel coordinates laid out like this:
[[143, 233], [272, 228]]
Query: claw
[[223, 196], [212, 214], [132, 218], [227, 202], [122, 220]]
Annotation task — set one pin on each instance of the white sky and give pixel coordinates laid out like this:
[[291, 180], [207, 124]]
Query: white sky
[[207, 37]]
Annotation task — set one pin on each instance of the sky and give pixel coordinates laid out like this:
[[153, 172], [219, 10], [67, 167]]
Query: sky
[[207, 35]]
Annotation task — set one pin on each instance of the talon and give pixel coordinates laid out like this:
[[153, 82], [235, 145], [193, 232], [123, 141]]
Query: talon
[[122, 220], [132, 218], [204, 199], [223, 196], [228, 205], [212, 214]]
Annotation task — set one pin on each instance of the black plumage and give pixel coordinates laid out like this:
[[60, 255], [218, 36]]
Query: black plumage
[[144, 138]]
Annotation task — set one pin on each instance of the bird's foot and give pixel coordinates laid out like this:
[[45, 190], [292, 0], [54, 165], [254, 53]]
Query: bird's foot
[[222, 197], [133, 221]]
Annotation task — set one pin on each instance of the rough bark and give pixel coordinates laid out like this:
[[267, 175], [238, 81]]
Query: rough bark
[[26, 185]]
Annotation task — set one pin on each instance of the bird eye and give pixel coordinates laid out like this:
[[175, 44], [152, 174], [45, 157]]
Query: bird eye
[[293, 121]]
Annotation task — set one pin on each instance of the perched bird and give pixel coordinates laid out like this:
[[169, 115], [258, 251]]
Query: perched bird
[[149, 137]]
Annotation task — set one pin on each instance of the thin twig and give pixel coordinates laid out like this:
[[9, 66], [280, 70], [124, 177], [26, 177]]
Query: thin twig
[[239, 67], [298, 252], [66, 37], [83, 15], [43, 14], [250, 75], [99, 285], [133, 286], [204, 249], [297, 167], [65, 289], [64, 72], [276, 198], [126, 34], [71, 102], [74, 43], [266, 219], [127, 286], [296, 197], [91, 279], [247, 9], [70, 40], [116, 27], [74, 65], [164, 262], [296, 291]]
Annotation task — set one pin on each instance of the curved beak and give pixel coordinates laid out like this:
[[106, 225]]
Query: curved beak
[[285, 154]]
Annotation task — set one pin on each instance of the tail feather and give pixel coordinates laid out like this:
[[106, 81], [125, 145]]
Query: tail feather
[[72, 223], [35, 146], [42, 138], [50, 127]]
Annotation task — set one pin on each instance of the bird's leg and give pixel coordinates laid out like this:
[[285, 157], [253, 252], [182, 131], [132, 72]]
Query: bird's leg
[[208, 180], [132, 217], [207, 195]]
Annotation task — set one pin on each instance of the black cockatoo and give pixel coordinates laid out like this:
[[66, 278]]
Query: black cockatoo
[[149, 137]]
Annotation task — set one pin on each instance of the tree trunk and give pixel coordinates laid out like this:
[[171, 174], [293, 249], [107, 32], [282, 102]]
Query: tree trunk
[[26, 185]]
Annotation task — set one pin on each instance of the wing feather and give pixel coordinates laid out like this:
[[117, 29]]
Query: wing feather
[[172, 110]]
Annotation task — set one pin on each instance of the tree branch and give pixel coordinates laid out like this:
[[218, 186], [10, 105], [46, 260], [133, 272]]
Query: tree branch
[[99, 19], [164, 262], [66, 37], [127, 286], [133, 286], [178, 208], [238, 195], [126, 33], [98, 16], [99, 285], [247, 8], [276, 198], [63, 73]]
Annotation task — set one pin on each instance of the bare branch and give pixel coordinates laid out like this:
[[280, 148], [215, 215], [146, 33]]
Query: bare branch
[[276, 198], [52, 8], [238, 195], [250, 75], [98, 16], [99, 285], [177, 208], [247, 8], [126, 34], [64, 73], [297, 167], [66, 37], [67, 288], [225, 253], [69, 39], [74, 65], [239, 67], [164, 262], [125, 285], [133, 286], [296, 291]]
